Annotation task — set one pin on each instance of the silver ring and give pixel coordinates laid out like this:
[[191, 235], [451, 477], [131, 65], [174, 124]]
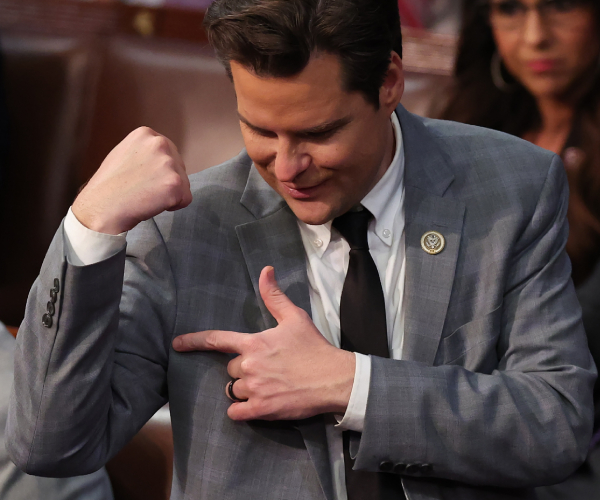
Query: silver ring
[[230, 394]]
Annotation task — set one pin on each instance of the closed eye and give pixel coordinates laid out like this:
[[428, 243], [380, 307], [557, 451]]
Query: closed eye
[[259, 131], [319, 136]]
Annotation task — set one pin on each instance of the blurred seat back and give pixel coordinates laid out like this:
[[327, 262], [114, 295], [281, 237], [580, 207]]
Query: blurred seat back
[[143, 469], [48, 90], [176, 88]]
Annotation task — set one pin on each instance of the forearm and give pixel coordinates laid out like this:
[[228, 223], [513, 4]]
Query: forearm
[[500, 429], [77, 398]]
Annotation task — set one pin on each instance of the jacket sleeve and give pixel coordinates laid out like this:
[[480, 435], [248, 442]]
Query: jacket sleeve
[[526, 423], [90, 363]]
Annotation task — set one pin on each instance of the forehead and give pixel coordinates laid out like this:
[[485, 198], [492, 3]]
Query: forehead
[[304, 100]]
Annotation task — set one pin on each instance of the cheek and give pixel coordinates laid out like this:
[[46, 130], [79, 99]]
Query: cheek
[[360, 147], [583, 46], [507, 46], [332, 156]]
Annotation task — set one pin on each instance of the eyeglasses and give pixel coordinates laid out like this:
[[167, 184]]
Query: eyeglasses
[[512, 14]]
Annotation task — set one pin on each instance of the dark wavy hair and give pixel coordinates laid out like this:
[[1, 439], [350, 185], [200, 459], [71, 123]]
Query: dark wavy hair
[[277, 37], [474, 98]]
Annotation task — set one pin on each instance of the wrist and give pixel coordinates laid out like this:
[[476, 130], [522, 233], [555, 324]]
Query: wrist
[[340, 391], [94, 221]]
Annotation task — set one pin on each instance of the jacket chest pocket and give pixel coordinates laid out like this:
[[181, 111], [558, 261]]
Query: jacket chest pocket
[[473, 345]]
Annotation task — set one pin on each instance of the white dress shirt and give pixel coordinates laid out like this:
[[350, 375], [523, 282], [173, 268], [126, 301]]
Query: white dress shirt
[[327, 257]]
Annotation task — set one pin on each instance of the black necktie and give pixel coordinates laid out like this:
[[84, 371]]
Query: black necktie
[[363, 330]]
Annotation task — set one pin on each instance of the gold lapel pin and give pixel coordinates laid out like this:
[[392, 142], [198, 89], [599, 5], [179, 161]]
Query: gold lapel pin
[[433, 242]]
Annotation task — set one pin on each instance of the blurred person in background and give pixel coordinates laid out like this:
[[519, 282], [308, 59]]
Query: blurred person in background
[[531, 68]]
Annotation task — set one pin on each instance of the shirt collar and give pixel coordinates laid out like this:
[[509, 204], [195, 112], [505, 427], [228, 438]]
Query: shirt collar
[[383, 201]]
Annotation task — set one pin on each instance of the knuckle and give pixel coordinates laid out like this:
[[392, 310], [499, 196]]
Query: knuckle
[[298, 314], [212, 340], [173, 189], [160, 143], [276, 293], [192, 342], [252, 386], [246, 366], [142, 132], [174, 180]]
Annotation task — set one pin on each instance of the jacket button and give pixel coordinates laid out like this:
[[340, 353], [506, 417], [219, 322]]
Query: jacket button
[[386, 466], [50, 308], [56, 285], [53, 295], [426, 468], [47, 320], [413, 468], [399, 468]]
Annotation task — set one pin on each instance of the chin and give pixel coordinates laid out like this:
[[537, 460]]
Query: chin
[[313, 214], [313, 219]]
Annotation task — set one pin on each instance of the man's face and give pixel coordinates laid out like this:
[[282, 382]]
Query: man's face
[[320, 147]]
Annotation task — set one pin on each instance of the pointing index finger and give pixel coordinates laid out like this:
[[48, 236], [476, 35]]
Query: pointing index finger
[[211, 340]]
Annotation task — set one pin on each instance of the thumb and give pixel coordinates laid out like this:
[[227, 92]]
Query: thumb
[[276, 301]]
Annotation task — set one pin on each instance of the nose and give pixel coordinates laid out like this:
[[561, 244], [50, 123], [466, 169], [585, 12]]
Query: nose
[[536, 31], [290, 161]]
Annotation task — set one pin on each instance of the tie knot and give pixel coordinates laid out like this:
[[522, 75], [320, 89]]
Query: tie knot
[[353, 227]]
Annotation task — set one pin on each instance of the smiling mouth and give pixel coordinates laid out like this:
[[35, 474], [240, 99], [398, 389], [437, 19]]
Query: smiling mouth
[[302, 193], [542, 65]]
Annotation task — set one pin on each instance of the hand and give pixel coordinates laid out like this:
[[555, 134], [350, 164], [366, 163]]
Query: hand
[[142, 177], [286, 373]]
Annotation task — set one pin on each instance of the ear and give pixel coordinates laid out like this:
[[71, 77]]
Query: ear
[[393, 86]]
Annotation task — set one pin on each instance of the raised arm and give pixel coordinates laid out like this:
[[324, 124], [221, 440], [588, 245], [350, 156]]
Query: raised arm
[[91, 357]]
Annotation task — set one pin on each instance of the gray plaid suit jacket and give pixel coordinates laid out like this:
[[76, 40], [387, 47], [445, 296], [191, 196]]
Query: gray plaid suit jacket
[[494, 393]]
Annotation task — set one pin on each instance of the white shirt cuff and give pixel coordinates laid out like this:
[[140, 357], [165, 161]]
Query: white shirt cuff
[[354, 419], [86, 247]]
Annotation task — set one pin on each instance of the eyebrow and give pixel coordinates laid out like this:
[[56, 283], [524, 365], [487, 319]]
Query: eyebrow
[[312, 131]]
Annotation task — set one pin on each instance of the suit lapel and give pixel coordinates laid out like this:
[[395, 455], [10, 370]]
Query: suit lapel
[[428, 277], [429, 207], [273, 239]]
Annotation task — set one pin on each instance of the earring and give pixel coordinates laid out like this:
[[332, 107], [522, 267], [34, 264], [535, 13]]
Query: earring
[[497, 77]]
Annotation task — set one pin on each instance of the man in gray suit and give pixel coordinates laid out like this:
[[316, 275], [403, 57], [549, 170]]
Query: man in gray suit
[[482, 387]]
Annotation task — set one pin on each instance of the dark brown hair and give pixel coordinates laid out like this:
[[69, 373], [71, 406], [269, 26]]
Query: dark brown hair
[[277, 37], [475, 99]]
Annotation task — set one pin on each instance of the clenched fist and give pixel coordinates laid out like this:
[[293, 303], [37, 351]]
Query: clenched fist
[[142, 177]]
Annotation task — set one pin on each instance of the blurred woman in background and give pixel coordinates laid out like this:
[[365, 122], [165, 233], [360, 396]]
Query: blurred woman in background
[[531, 68]]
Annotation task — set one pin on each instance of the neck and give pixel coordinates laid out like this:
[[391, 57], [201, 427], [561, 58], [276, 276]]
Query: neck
[[389, 157], [557, 121]]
